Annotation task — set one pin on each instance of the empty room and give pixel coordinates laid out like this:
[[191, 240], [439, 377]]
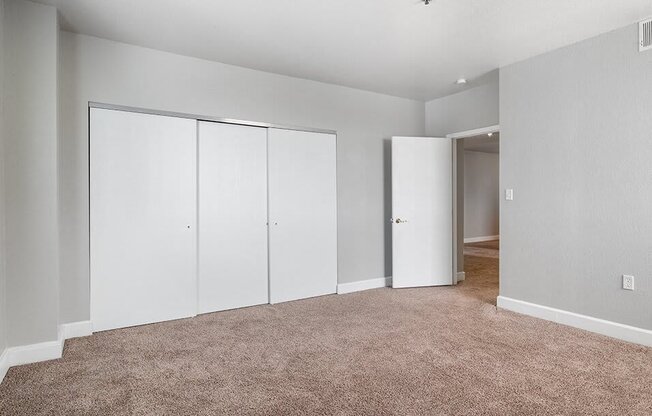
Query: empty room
[[360, 207]]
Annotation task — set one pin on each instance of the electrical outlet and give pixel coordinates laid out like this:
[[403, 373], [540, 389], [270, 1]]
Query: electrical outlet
[[509, 194], [628, 282]]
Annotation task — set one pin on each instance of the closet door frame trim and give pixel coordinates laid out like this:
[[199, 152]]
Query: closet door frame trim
[[93, 104]]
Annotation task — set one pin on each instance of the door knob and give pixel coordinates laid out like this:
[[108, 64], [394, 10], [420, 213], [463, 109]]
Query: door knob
[[400, 221]]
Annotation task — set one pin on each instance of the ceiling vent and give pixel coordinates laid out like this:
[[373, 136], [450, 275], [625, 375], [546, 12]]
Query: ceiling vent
[[645, 35]]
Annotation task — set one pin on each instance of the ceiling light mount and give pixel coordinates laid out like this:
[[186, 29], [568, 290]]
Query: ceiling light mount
[[461, 81]]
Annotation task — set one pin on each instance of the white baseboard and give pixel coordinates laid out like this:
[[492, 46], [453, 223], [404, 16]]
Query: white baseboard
[[4, 365], [588, 323], [43, 351], [33, 353], [461, 276], [363, 285], [76, 329], [481, 239]]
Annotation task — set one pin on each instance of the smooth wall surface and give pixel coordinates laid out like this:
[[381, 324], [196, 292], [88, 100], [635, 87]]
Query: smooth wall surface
[[30, 152], [481, 194], [471, 109], [98, 70], [467, 110], [576, 130], [3, 277]]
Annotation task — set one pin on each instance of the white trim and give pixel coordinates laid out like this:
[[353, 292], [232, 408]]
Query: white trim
[[114, 107], [461, 276], [43, 351], [588, 323], [475, 132], [4, 364], [454, 246], [454, 136], [360, 285], [481, 239], [77, 329], [33, 353]]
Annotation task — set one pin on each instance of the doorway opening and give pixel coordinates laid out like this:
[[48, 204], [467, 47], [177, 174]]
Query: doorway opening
[[476, 201]]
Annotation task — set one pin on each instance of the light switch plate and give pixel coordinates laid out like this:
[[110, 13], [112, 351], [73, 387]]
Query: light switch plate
[[509, 194]]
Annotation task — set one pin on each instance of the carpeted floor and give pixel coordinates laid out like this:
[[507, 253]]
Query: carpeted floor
[[431, 351]]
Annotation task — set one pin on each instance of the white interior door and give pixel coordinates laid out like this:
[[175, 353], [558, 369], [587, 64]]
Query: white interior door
[[142, 218], [302, 214], [422, 212], [232, 216]]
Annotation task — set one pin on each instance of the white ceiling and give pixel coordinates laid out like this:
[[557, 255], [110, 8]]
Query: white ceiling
[[397, 47], [483, 143]]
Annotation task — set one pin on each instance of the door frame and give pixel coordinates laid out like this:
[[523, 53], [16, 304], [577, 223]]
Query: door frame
[[454, 137]]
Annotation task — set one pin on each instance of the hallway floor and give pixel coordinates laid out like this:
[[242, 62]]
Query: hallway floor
[[429, 351]]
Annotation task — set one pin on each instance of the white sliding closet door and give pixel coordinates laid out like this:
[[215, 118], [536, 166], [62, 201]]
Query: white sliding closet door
[[302, 215], [232, 216], [142, 218]]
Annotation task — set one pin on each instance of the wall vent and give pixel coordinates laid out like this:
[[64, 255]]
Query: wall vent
[[645, 35]]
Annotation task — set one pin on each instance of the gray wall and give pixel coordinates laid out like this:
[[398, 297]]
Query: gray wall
[[3, 277], [481, 194], [471, 109], [467, 110], [30, 175], [576, 146], [98, 70]]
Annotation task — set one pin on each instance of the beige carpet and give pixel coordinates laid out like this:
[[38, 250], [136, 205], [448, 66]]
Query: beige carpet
[[434, 351]]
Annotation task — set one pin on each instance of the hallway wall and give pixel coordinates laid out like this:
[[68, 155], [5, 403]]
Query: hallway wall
[[481, 194]]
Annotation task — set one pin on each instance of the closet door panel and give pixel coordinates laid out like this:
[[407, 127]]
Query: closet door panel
[[142, 218], [302, 214], [232, 216]]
